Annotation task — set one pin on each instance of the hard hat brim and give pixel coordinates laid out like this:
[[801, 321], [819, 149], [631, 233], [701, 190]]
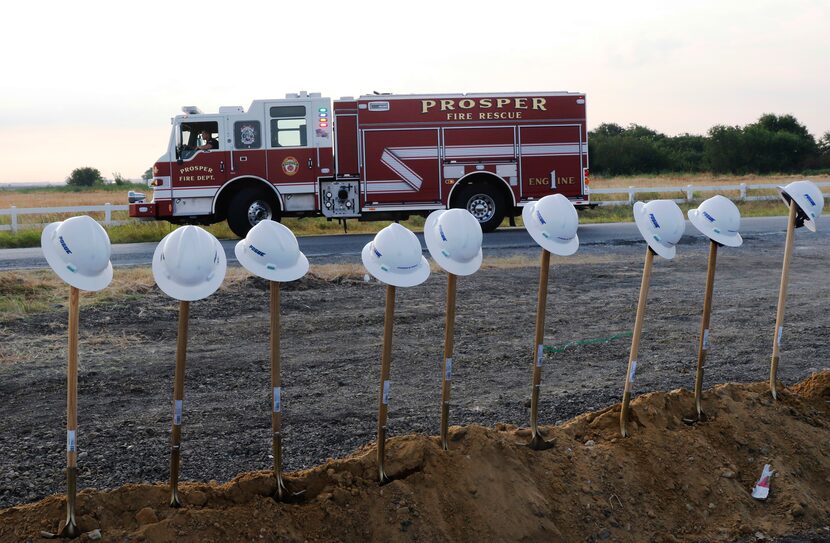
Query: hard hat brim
[[455, 267], [53, 258], [662, 249], [803, 218], [558, 247], [409, 279], [291, 273], [702, 225], [188, 293]]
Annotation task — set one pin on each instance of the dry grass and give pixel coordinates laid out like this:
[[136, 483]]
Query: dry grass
[[681, 180], [10, 198]]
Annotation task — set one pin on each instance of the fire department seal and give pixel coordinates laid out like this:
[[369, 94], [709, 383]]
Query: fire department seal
[[290, 165], [247, 134]]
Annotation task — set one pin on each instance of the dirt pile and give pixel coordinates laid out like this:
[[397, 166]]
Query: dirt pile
[[672, 480]]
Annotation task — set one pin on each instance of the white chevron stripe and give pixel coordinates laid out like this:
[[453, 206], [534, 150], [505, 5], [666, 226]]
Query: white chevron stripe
[[391, 161]]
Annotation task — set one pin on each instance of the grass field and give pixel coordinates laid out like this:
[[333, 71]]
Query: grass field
[[155, 230]]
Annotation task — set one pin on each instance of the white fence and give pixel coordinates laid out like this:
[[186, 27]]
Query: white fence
[[15, 212], [688, 190]]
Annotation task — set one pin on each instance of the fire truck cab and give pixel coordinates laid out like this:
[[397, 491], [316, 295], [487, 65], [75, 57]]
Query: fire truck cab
[[375, 157]]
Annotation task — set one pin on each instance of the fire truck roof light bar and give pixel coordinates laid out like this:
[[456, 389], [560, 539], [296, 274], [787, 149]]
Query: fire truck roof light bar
[[191, 110]]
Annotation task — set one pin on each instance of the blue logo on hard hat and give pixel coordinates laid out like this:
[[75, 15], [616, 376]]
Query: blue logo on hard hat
[[257, 251], [65, 248], [653, 220], [711, 218], [441, 231], [812, 202], [539, 216]]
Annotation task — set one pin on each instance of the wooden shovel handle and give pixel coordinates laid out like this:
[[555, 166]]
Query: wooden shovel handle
[[386, 356], [449, 332], [703, 342], [72, 373], [538, 338], [782, 300], [635, 339]]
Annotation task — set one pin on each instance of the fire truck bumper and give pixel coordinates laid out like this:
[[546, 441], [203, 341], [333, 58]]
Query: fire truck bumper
[[143, 210]]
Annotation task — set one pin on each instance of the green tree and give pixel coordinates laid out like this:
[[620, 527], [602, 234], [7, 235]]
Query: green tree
[[624, 151], [822, 159], [685, 153], [84, 177], [607, 129], [724, 149], [118, 179], [148, 174]]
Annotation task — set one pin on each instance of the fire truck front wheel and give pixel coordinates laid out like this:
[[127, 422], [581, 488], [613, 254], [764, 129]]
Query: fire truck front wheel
[[485, 203], [248, 207]]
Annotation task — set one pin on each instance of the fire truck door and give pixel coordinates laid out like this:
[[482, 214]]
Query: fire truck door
[[291, 156], [200, 171], [401, 166], [551, 161]]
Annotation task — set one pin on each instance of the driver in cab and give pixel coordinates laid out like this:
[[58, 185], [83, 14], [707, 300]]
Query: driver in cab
[[209, 142]]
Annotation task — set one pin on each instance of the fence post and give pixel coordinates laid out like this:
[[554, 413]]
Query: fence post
[[14, 219], [689, 193], [630, 195], [743, 191], [107, 213]]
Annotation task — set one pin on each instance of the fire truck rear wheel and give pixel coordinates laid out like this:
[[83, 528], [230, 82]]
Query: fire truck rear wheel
[[249, 207], [485, 203]]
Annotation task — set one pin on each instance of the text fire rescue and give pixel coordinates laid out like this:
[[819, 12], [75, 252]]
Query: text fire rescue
[[483, 103]]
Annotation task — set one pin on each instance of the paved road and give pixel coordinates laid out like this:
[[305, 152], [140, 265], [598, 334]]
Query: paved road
[[346, 247]]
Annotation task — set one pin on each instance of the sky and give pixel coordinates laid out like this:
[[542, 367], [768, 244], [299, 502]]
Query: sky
[[90, 83]]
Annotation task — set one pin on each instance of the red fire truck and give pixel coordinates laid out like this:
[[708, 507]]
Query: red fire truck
[[377, 157]]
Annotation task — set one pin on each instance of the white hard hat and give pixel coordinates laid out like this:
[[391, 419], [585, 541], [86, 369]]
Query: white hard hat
[[718, 218], [661, 224], [189, 264], [552, 223], [810, 201], [78, 250], [270, 251], [454, 238], [395, 258]]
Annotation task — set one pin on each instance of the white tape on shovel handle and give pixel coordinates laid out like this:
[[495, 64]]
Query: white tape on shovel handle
[[277, 391], [706, 340], [386, 392], [177, 413], [448, 370], [780, 334], [540, 351], [71, 444], [633, 371]]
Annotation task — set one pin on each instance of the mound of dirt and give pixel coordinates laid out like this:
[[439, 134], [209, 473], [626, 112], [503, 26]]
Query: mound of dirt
[[672, 480]]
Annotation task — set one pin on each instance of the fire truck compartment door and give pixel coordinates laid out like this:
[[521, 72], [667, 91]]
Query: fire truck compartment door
[[401, 166], [550, 150], [292, 158]]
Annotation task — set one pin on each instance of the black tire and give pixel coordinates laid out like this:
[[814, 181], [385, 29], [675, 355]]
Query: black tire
[[250, 206], [484, 201]]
